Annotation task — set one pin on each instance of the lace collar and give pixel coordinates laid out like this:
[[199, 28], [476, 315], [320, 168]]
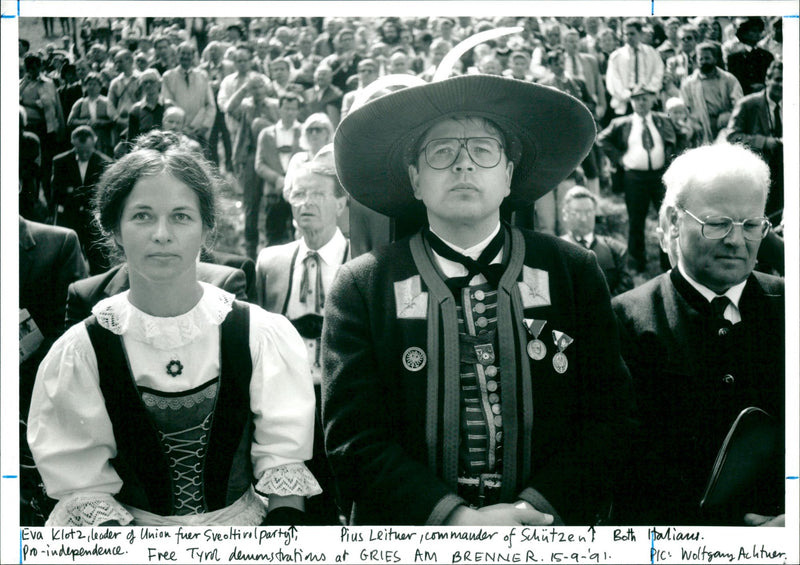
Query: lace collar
[[119, 316]]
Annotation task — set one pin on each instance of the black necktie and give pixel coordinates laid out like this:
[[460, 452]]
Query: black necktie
[[186, 76], [718, 306], [647, 142], [777, 124], [635, 66], [492, 272], [305, 283], [583, 241]]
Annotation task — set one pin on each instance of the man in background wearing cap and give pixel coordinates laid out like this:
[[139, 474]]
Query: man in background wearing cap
[[748, 62], [642, 144], [472, 373]]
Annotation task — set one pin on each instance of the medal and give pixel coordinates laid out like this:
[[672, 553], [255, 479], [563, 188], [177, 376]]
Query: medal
[[562, 341], [414, 359], [536, 347]]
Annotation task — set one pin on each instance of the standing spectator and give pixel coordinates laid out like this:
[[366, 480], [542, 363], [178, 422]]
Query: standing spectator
[[30, 173], [44, 116], [162, 48], [641, 144], [344, 61], [148, 113], [189, 88], [123, 92], [276, 146], [748, 62], [70, 90], [94, 110], [280, 74], [757, 121], [683, 63], [631, 66], [579, 215], [584, 67], [671, 44], [367, 74], [323, 96], [242, 59], [75, 177], [217, 69], [710, 94]]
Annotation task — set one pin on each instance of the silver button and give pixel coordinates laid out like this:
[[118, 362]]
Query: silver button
[[728, 379]]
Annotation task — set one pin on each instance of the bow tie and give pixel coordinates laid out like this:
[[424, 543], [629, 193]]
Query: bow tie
[[482, 265]]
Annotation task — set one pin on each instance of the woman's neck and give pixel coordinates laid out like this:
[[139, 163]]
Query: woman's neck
[[164, 299]]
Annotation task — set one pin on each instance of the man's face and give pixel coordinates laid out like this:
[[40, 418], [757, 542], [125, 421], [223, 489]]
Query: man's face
[[346, 41], [678, 114], [519, 65], [242, 61], [367, 74], [314, 205], [93, 88], [592, 25], [151, 87], [185, 57], [706, 60], [571, 43], [462, 192], [172, 121], [719, 263], [774, 84], [124, 62], [672, 30], [557, 65], [553, 36], [579, 216], [688, 42], [279, 72], [642, 104], [631, 36], [323, 77], [262, 48], [84, 149], [288, 111], [162, 47], [398, 64]]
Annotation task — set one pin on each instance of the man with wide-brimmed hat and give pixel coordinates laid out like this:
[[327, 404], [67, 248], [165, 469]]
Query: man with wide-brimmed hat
[[472, 372]]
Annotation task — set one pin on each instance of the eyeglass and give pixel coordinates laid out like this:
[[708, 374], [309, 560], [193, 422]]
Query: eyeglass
[[300, 197], [718, 227], [581, 213], [443, 152], [315, 129]]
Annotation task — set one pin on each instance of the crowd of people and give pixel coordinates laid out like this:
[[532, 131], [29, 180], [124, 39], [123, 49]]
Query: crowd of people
[[418, 233]]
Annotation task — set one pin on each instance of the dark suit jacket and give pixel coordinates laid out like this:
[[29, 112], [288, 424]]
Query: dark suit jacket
[[73, 193], [613, 140], [247, 265], [612, 256], [751, 123], [329, 103], [50, 259], [378, 413], [84, 294], [691, 383], [750, 67]]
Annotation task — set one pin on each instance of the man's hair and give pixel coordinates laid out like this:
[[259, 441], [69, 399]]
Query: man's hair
[[288, 97], [697, 168], [151, 74], [519, 53], [634, 23], [553, 55], [281, 61], [707, 46], [578, 193], [83, 133], [674, 102], [93, 75], [689, 29]]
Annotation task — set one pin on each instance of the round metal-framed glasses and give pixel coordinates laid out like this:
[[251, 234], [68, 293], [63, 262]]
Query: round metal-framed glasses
[[718, 227]]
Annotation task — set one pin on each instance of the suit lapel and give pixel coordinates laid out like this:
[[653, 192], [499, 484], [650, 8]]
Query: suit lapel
[[26, 246], [119, 282]]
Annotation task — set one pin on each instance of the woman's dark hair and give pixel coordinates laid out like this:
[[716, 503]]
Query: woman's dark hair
[[155, 153]]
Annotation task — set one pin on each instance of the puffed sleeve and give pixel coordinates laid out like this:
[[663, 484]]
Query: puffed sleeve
[[282, 401], [70, 435]]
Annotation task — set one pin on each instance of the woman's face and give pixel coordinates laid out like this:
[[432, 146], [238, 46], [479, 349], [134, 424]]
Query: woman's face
[[161, 230]]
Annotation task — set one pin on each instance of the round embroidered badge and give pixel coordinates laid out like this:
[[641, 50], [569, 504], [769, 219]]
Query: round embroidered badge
[[414, 359], [174, 368]]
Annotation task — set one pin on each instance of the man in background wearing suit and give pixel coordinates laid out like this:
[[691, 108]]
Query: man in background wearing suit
[[75, 175], [642, 144], [578, 214], [703, 342], [293, 280], [50, 259]]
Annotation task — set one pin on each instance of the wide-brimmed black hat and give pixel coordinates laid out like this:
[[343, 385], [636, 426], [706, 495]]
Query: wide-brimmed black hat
[[373, 143]]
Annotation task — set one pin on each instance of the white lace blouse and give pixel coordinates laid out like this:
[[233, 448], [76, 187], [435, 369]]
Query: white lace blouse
[[70, 433]]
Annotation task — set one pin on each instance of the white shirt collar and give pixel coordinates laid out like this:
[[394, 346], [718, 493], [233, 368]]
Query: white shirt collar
[[734, 293], [331, 253], [475, 251]]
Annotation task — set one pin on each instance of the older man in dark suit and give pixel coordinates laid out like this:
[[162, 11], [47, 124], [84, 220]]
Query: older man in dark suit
[[75, 175], [642, 144], [431, 411], [703, 342], [82, 295]]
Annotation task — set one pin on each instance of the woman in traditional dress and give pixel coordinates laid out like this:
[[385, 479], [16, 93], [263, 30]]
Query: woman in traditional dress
[[173, 403]]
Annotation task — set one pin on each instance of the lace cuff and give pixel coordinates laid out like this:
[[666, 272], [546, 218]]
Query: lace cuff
[[287, 480], [88, 510]]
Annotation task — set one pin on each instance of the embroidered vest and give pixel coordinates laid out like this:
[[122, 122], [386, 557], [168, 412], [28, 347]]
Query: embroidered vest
[[141, 461]]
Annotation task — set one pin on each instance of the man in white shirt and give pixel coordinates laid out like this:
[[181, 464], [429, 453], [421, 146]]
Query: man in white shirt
[[243, 60], [293, 279], [189, 88], [642, 145], [703, 342], [632, 65]]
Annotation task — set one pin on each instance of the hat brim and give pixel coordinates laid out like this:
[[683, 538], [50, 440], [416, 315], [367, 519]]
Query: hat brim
[[556, 132]]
